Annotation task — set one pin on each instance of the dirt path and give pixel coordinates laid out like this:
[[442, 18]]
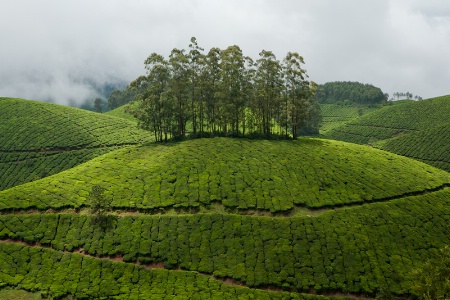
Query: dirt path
[[160, 265], [296, 211]]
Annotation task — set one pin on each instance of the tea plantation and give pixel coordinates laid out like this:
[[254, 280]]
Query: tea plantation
[[40, 139], [216, 218], [430, 145], [358, 250], [120, 112], [394, 120], [334, 115], [238, 174]]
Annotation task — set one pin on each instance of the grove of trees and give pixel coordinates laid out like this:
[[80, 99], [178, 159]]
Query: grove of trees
[[340, 92], [407, 95], [223, 92]]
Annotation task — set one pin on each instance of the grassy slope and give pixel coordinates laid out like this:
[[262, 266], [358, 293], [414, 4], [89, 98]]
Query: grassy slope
[[40, 139], [60, 275], [430, 145], [334, 115], [120, 113], [237, 173], [394, 120], [358, 250]]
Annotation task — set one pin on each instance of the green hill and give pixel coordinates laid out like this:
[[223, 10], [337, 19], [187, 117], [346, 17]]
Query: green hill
[[120, 112], [40, 139], [228, 218], [395, 120], [334, 115], [241, 174], [431, 146]]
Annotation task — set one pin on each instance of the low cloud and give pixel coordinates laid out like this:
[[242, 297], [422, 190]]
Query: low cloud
[[63, 50]]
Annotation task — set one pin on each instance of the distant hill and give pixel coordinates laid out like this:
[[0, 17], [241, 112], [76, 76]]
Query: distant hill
[[346, 92], [335, 115], [429, 145], [395, 120], [40, 139]]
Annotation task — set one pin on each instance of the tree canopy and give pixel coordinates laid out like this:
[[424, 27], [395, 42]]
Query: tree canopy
[[349, 92], [223, 92]]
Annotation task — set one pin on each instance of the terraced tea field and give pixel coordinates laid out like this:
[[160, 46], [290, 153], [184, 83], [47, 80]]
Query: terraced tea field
[[40, 139], [396, 120], [430, 145], [121, 113], [228, 219], [236, 174], [334, 115]]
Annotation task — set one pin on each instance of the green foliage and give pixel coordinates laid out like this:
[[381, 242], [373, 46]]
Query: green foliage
[[433, 278], [41, 139], [22, 167], [394, 120], [60, 275], [121, 112], [335, 115], [239, 174], [349, 92], [13, 294], [431, 146], [99, 204], [362, 250], [223, 93], [119, 98]]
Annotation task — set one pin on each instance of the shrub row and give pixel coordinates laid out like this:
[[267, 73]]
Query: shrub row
[[334, 115], [392, 120], [431, 146], [359, 250], [360, 134], [239, 174], [58, 274], [32, 125], [19, 168]]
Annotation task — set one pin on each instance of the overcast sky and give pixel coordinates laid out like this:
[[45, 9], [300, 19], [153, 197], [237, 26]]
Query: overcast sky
[[52, 49]]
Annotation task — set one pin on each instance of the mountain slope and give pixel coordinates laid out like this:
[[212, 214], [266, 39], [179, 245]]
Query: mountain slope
[[431, 146], [240, 174], [395, 120], [334, 115], [40, 139]]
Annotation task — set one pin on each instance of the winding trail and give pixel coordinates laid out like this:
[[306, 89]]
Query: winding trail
[[218, 207], [224, 280]]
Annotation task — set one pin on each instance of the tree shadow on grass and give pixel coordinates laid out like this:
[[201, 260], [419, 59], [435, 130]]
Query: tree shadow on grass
[[104, 222]]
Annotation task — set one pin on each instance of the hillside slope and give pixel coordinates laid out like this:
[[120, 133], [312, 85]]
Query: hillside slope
[[228, 219], [361, 250], [241, 174], [334, 115], [431, 146], [120, 112], [40, 139], [395, 120]]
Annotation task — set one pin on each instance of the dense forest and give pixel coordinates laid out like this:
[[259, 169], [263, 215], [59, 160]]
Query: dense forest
[[222, 92], [349, 92]]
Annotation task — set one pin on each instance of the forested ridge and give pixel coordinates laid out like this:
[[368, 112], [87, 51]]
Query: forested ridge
[[222, 92], [346, 92]]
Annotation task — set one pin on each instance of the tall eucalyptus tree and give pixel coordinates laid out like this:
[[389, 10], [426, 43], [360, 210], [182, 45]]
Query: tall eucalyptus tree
[[297, 92], [268, 87], [179, 87]]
